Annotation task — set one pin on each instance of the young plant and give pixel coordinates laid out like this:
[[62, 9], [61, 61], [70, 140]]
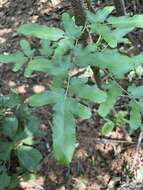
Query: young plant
[[18, 127], [69, 95]]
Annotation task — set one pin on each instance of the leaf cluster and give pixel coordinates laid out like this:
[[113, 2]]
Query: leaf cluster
[[70, 96], [18, 127]]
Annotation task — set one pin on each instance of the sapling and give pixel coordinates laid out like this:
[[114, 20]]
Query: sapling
[[70, 96]]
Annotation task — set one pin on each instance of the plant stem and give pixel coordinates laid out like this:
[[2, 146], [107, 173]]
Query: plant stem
[[137, 150], [120, 7], [79, 13], [80, 19]]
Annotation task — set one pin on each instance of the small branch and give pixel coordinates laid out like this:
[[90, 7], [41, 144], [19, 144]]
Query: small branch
[[109, 141], [120, 7], [137, 150], [79, 13], [67, 88], [125, 91]]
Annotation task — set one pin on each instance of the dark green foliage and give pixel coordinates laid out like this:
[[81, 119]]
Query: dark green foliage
[[18, 127]]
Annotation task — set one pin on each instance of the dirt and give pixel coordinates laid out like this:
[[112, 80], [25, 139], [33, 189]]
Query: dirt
[[98, 163]]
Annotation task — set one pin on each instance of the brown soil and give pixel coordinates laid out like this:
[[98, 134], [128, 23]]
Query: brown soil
[[98, 163]]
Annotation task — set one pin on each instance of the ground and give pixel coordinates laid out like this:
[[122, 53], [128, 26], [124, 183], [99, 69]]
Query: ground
[[98, 163]]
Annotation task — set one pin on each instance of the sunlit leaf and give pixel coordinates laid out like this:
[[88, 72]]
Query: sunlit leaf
[[107, 128], [44, 65], [45, 49], [136, 91], [100, 15], [41, 99], [80, 110], [87, 92], [18, 58], [63, 46], [120, 118], [127, 21], [38, 64], [119, 34], [106, 33], [41, 31], [117, 63], [25, 46], [70, 27]]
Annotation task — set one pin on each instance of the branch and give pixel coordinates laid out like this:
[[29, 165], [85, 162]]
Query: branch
[[120, 7], [79, 13]]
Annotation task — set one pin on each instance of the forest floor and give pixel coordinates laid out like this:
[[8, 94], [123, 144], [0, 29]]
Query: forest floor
[[98, 163]]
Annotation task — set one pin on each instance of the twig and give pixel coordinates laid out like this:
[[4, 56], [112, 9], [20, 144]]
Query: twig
[[109, 141], [127, 93], [137, 150], [120, 7]]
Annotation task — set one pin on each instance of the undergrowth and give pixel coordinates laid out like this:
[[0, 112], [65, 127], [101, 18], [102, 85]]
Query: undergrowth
[[71, 95]]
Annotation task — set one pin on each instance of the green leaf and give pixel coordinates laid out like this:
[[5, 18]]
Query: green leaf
[[136, 91], [18, 65], [115, 62], [44, 65], [80, 110], [120, 118], [41, 31], [127, 21], [140, 102], [12, 58], [4, 180], [92, 47], [45, 98], [95, 95], [33, 124], [137, 60], [38, 64], [41, 99], [63, 46], [119, 34], [64, 139], [29, 157], [23, 136], [15, 181], [70, 27], [5, 150], [27, 177], [100, 15], [23, 113], [135, 116], [18, 58], [106, 33], [46, 49], [107, 128], [13, 100], [25, 46], [10, 126], [28, 140], [113, 94]]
